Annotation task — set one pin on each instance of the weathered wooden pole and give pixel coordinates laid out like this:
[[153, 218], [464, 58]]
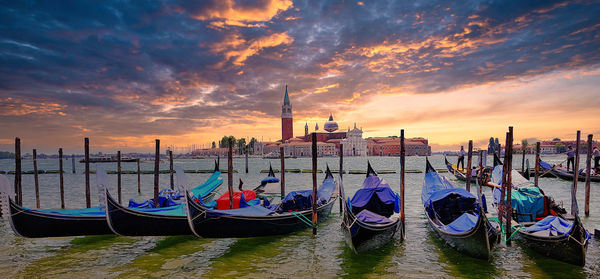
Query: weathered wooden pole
[[86, 147], [35, 179], [119, 175], [230, 173], [73, 162], [138, 176], [469, 165], [502, 205], [282, 158], [574, 210], [18, 189], [481, 158], [536, 178], [156, 171], [509, 155], [402, 180], [588, 170], [341, 174], [60, 178], [171, 169], [314, 182], [523, 161], [247, 160]]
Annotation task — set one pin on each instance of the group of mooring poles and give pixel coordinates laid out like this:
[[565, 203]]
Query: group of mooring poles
[[18, 174]]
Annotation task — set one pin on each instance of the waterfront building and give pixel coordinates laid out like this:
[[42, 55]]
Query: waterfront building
[[354, 144], [390, 146]]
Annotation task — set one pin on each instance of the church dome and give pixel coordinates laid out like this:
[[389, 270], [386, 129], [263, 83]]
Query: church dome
[[330, 125]]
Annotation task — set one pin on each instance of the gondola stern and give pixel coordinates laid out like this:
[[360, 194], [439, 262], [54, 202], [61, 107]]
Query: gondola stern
[[428, 167], [370, 171], [497, 161], [328, 172]]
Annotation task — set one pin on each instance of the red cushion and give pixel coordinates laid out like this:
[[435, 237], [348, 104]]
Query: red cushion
[[223, 200]]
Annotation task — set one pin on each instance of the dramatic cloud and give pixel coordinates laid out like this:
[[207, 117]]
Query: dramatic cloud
[[126, 72]]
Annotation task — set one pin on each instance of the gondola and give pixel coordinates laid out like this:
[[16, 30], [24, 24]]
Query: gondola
[[371, 218], [162, 221], [542, 228], [562, 173], [294, 213], [456, 216], [459, 174]]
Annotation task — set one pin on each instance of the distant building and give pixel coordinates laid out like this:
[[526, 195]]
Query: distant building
[[287, 123], [214, 151], [354, 144], [390, 146]]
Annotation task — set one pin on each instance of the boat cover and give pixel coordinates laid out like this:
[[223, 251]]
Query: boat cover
[[545, 165], [464, 223], [301, 200], [270, 179], [554, 225], [437, 187], [525, 199], [92, 211], [372, 217], [374, 185], [239, 199], [255, 210]]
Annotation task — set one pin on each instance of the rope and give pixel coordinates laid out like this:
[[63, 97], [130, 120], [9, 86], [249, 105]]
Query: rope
[[304, 219], [519, 227]]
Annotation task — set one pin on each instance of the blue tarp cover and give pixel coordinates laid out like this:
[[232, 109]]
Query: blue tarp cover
[[554, 225], [371, 217], [462, 224], [92, 211], [373, 185], [437, 187], [255, 210], [524, 199], [545, 165], [270, 179], [301, 200]]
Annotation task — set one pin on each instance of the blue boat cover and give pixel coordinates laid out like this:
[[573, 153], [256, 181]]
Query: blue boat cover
[[255, 210], [374, 185], [437, 187], [554, 225], [545, 165], [462, 224], [372, 217], [525, 199], [301, 200], [269, 179], [92, 211]]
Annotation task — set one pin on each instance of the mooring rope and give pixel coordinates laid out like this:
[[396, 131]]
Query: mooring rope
[[304, 219]]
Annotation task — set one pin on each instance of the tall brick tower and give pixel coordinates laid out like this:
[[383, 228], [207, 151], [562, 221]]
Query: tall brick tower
[[287, 124]]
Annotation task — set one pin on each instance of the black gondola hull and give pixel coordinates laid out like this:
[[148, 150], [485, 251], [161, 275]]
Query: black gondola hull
[[477, 243], [569, 249], [570, 176], [32, 223], [250, 226], [362, 236]]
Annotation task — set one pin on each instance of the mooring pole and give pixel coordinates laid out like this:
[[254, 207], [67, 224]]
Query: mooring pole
[[523, 161], [60, 178], [247, 159], [171, 169], [588, 170], [481, 158], [341, 174], [119, 175], [282, 158], [138, 176], [314, 182], [502, 204], [402, 184], [575, 176], [156, 171], [73, 162], [230, 173], [35, 179], [18, 189], [469, 165], [509, 156], [86, 143], [536, 179]]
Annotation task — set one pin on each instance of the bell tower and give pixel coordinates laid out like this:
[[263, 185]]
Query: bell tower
[[287, 124]]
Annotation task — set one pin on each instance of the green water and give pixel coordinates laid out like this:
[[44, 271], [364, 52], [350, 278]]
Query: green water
[[297, 255]]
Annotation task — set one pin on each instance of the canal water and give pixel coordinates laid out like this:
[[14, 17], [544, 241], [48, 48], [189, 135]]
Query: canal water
[[298, 255]]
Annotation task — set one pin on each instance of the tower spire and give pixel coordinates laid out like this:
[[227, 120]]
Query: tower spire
[[286, 98]]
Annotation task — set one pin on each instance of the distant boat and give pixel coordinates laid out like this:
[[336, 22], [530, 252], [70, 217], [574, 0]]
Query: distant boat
[[111, 159], [274, 155]]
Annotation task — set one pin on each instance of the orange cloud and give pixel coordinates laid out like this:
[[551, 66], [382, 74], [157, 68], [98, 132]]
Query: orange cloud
[[236, 48], [326, 88], [13, 107], [228, 12]]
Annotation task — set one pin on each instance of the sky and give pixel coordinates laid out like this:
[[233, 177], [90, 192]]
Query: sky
[[124, 73]]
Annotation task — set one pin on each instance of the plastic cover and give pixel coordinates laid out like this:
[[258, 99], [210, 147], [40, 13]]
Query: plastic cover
[[372, 217]]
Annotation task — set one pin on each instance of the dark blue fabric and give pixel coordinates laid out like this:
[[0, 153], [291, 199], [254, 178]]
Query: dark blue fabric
[[545, 165], [554, 225], [302, 200], [371, 217], [373, 185], [254, 210], [437, 187], [270, 179], [464, 223]]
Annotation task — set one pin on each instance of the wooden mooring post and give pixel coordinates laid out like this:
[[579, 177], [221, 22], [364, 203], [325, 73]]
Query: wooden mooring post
[[341, 174], [171, 170], [508, 158], [119, 175], [86, 147], [314, 182], [574, 209], [588, 170], [156, 171], [469, 165], [18, 189], [282, 172], [246, 155], [402, 184], [230, 173], [35, 179], [536, 178], [73, 162], [139, 179], [60, 178]]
